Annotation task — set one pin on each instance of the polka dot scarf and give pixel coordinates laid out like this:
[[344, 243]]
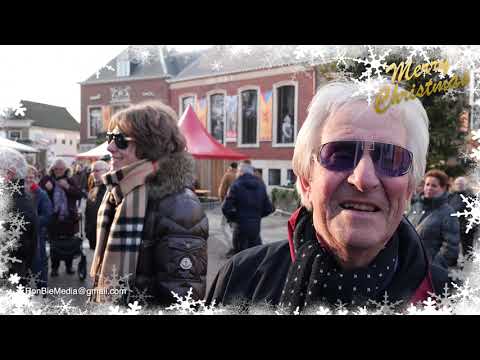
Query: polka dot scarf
[[316, 278]]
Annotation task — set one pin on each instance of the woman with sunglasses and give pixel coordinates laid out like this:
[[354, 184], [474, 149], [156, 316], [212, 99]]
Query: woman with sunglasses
[[151, 229], [431, 216], [348, 242]]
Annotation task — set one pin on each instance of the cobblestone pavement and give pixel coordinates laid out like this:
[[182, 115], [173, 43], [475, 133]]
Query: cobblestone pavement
[[274, 228]]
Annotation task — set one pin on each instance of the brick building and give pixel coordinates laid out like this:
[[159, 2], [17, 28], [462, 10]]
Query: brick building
[[254, 102]]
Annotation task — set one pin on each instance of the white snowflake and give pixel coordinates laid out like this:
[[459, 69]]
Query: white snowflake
[[14, 279], [322, 310], [476, 134], [362, 311], [19, 110], [241, 50], [467, 58], [133, 308], [216, 66], [417, 50], [115, 310], [209, 310], [341, 308], [368, 88], [385, 307], [374, 64], [185, 305], [65, 308], [472, 209]]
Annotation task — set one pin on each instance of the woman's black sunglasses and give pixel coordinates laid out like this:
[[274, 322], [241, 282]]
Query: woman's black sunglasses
[[121, 141], [389, 160]]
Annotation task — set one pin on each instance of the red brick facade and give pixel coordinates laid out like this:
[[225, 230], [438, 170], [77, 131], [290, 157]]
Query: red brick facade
[[306, 90], [138, 89], [272, 159]]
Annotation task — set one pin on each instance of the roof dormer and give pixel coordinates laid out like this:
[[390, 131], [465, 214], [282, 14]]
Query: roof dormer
[[123, 66]]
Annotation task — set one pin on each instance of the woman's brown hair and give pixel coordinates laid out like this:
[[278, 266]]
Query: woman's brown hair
[[153, 126], [441, 176]]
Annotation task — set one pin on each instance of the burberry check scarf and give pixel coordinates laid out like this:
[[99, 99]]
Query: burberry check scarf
[[120, 224]]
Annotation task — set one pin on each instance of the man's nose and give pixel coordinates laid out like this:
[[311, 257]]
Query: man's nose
[[112, 147], [364, 177]]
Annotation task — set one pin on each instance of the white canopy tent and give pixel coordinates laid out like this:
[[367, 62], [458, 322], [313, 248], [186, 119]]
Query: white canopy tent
[[95, 153], [17, 146]]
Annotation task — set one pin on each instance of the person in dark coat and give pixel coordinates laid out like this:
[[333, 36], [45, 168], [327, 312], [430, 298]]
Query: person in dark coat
[[356, 167], [13, 170], [64, 194], [455, 200], [153, 230], [95, 197], [246, 204], [432, 219], [44, 209]]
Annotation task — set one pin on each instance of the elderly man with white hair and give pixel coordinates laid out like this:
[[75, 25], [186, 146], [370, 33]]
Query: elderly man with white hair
[[13, 169], [349, 241]]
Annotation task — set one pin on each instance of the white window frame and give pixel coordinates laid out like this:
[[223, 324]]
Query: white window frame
[[9, 132], [275, 113], [180, 102], [89, 135], [208, 95], [268, 176], [240, 118], [123, 67]]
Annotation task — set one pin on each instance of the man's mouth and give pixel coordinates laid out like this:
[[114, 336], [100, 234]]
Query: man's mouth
[[348, 205]]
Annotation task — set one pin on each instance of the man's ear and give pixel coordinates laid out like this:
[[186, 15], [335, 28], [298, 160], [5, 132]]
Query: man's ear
[[305, 185]]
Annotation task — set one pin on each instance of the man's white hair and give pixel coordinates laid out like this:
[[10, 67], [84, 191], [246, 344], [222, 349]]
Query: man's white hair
[[101, 164], [245, 169], [328, 100], [13, 161], [56, 162]]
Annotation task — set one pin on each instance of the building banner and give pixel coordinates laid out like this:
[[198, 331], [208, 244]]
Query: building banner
[[266, 101], [105, 118], [201, 111], [231, 115]]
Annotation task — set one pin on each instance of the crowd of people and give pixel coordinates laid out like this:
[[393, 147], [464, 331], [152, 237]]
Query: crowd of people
[[364, 227]]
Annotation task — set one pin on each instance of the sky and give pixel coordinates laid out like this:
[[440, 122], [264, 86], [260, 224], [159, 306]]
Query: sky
[[51, 74]]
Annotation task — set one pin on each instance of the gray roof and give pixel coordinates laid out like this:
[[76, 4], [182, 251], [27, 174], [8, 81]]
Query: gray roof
[[227, 59], [49, 116], [145, 62]]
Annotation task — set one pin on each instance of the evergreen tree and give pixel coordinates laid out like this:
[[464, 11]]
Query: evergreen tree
[[446, 141]]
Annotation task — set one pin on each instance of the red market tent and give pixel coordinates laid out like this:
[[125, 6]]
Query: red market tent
[[200, 143]]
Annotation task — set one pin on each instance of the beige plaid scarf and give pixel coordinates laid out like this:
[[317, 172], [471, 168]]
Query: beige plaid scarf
[[120, 225]]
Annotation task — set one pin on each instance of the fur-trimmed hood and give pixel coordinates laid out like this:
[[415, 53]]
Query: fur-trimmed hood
[[175, 173]]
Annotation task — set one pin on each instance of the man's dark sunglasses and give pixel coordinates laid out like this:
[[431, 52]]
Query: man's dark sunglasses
[[389, 160], [121, 141]]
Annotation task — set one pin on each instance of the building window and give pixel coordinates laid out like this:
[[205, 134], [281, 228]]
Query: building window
[[63, 141], [71, 142], [249, 119], [291, 177], [55, 140], [123, 68], [217, 116], [117, 108], [185, 101], [14, 135], [285, 114], [274, 176], [95, 121]]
